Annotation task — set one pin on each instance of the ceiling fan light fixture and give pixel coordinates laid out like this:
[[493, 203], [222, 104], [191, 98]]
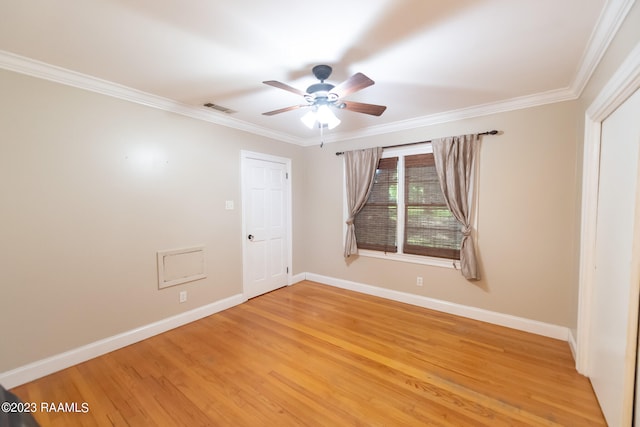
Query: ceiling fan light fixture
[[323, 116], [333, 123], [309, 119], [326, 117]]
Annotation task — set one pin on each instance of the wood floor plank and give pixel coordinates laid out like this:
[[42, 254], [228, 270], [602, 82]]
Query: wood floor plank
[[315, 355]]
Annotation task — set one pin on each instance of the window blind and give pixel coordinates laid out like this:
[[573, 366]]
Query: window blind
[[376, 224], [430, 228]]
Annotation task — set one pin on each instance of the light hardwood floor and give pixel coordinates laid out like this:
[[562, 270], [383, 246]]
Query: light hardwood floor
[[311, 354]]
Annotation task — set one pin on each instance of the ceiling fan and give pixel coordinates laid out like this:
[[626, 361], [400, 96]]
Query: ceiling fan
[[321, 97]]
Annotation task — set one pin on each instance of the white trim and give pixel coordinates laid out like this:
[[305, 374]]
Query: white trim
[[507, 320], [55, 363], [622, 84], [413, 259], [246, 154], [607, 27], [41, 368], [528, 101], [573, 345], [591, 172], [38, 69], [298, 278], [41, 70]]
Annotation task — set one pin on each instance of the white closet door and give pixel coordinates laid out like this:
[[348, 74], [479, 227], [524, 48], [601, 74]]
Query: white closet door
[[613, 340]]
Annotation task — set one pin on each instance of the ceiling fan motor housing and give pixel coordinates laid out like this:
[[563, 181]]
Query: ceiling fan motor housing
[[320, 87], [322, 72]]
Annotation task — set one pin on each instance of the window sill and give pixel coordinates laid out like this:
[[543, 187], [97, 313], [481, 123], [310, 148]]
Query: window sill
[[413, 259]]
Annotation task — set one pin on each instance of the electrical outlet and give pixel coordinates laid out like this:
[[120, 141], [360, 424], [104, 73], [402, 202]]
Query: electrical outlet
[[183, 296], [419, 281]]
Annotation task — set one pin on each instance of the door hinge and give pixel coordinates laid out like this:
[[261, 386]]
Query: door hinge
[[286, 175], [287, 270]]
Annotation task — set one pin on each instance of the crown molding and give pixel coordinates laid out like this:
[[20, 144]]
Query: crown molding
[[42, 70], [624, 82], [528, 101], [611, 18], [607, 27]]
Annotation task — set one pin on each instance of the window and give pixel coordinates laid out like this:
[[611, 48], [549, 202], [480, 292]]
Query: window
[[406, 213]]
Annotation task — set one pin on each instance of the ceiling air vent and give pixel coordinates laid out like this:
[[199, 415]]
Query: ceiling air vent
[[219, 108]]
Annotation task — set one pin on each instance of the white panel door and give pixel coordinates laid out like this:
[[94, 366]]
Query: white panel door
[[613, 340], [265, 216]]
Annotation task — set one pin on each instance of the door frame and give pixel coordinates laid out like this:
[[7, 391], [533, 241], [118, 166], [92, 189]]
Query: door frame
[[618, 89], [244, 155]]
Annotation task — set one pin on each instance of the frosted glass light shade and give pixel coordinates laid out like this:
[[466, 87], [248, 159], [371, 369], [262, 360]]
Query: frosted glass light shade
[[309, 119], [326, 116], [323, 115]]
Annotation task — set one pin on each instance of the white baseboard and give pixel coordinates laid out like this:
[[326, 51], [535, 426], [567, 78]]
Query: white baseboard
[[52, 364], [297, 278], [573, 344], [507, 320]]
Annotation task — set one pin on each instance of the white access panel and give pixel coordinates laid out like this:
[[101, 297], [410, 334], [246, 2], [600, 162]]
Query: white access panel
[[178, 266]]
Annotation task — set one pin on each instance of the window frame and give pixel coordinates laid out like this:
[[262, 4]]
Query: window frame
[[400, 152]]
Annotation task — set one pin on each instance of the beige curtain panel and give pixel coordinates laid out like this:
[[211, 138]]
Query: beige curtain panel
[[360, 171], [455, 159]]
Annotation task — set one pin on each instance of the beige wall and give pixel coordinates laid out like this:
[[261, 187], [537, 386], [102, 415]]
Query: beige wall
[[527, 209], [91, 188]]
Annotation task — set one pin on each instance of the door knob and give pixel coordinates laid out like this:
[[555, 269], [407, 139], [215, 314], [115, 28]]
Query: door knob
[[250, 237]]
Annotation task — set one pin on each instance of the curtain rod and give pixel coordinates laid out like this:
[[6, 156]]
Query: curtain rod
[[489, 132]]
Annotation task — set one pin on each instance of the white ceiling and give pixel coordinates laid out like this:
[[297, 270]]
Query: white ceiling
[[430, 59]]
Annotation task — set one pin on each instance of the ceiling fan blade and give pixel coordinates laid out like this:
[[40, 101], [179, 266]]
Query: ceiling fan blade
[[359, 107], [353, 84], [284, 86], [283, 110]]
